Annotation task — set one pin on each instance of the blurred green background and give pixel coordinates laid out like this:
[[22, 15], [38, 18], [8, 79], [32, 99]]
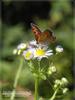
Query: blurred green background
[[15, 20]]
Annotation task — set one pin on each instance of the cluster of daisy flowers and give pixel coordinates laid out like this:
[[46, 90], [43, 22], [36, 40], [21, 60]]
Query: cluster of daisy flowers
[[32, 50], [37, 56]]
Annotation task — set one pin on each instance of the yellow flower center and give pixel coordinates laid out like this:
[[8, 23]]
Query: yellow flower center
[[40, 52], [28, 55]]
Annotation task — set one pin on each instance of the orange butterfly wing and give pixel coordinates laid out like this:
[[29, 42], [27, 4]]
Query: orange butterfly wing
[[42, 37], [36, 31], [49, 36]]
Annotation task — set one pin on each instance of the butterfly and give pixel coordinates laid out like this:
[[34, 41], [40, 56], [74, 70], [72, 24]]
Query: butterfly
[[46, 36]]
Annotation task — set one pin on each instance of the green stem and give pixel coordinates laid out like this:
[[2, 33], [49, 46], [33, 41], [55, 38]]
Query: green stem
[[54, 95], [0, 91], [16, 80], [36, 88]]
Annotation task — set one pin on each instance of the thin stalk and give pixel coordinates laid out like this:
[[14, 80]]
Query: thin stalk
[[36, 88], [0, 91], [16, 80], [54, 95]]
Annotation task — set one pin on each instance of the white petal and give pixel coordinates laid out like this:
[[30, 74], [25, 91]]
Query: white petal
[[33, 42], [49, 51], [49, 54]]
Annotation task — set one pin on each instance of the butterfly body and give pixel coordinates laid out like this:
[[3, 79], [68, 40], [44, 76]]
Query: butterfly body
[[43, 37]]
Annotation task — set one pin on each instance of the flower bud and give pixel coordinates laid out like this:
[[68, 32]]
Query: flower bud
[[65, 90], [53, 69], [15, 51], [64, 81], [19, 52], [49, 72], [57, 82], [55, 86], [59, 49]]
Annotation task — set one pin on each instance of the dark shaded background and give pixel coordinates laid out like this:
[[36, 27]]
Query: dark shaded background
[[25, 12], [15, 20]]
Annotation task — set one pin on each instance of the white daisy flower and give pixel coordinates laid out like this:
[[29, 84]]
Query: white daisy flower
[[59, 48], [40, 53], [21, 46], [28, 54]]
